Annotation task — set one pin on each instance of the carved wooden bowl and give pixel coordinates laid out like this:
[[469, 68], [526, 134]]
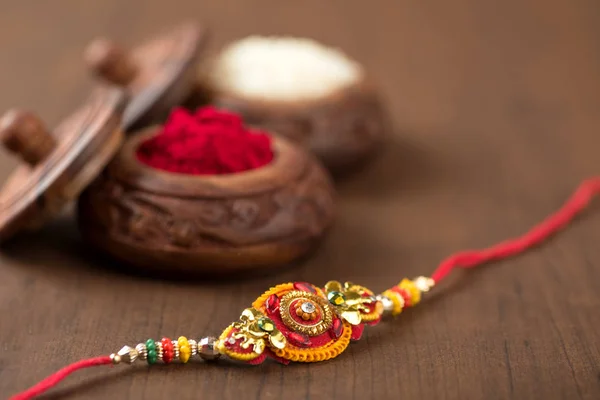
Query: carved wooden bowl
[[209, 225]]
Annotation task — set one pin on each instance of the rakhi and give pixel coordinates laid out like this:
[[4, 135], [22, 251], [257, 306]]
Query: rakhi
[[302, 322]]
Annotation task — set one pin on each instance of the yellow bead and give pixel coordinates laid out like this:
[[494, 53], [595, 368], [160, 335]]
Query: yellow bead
[[397, 301], [184, 349], [182, 341], [415, 293], [184, 353]]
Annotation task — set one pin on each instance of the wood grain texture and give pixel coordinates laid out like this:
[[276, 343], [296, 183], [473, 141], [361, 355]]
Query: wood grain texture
[[496, 112]]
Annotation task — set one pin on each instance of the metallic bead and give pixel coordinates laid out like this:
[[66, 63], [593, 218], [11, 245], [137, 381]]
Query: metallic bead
[[193, 346], [142, 351], [115, 358], [128, 354], [175, 348], [387, 303], [159, 350], [207, 348], [424, 284]]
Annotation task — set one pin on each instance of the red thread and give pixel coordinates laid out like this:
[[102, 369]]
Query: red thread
[[548, 227], [58, 376], [465, 259], [209, 142]]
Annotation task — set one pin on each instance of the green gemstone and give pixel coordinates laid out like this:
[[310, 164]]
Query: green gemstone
[[150, 345], [266, 325], [336, 298], [152, 356]]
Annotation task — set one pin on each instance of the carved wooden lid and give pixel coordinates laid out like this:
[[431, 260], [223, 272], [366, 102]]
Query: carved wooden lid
[[158, 74], [56, 165]]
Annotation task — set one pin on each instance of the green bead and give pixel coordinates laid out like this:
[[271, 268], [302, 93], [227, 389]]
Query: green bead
[[150, 345], [336, 298], [266, 325], [152, 356]]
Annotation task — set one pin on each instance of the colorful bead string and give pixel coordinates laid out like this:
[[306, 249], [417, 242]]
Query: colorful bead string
[[306, 323]]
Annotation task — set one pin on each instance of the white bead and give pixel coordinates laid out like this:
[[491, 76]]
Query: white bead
[[424, 284], [388, 305]]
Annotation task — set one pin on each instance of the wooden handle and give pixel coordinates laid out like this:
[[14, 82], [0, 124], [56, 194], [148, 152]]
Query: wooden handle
[[24, 134], [111, 62]]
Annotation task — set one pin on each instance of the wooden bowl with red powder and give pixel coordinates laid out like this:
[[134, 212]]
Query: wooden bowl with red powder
[[304, 91], [208, 197]]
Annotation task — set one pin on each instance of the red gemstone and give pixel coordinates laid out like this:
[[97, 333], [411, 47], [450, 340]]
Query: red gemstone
[[336, 329], [168, 351], [298, 339], [305, 287], [272, 303]]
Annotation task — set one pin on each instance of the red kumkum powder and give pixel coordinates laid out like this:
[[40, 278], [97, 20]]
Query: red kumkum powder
[[208, 142]]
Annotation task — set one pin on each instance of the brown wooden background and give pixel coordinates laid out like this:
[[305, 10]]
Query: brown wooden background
[[497, 109]]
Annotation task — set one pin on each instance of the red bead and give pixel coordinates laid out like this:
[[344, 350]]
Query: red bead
[[305, 287], [299, 339], [406, 296], [336, 328], [272, 303], [168, 351]]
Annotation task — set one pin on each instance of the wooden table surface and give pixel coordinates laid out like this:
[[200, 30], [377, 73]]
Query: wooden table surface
[[496, 108]]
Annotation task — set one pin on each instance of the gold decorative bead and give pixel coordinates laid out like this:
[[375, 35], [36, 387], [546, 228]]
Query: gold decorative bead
[[175, 348], [128, 354], [115, 358], [159, 350], [193, 347], [142, 351]]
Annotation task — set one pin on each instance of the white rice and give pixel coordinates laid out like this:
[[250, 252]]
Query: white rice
[[283, 68]]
